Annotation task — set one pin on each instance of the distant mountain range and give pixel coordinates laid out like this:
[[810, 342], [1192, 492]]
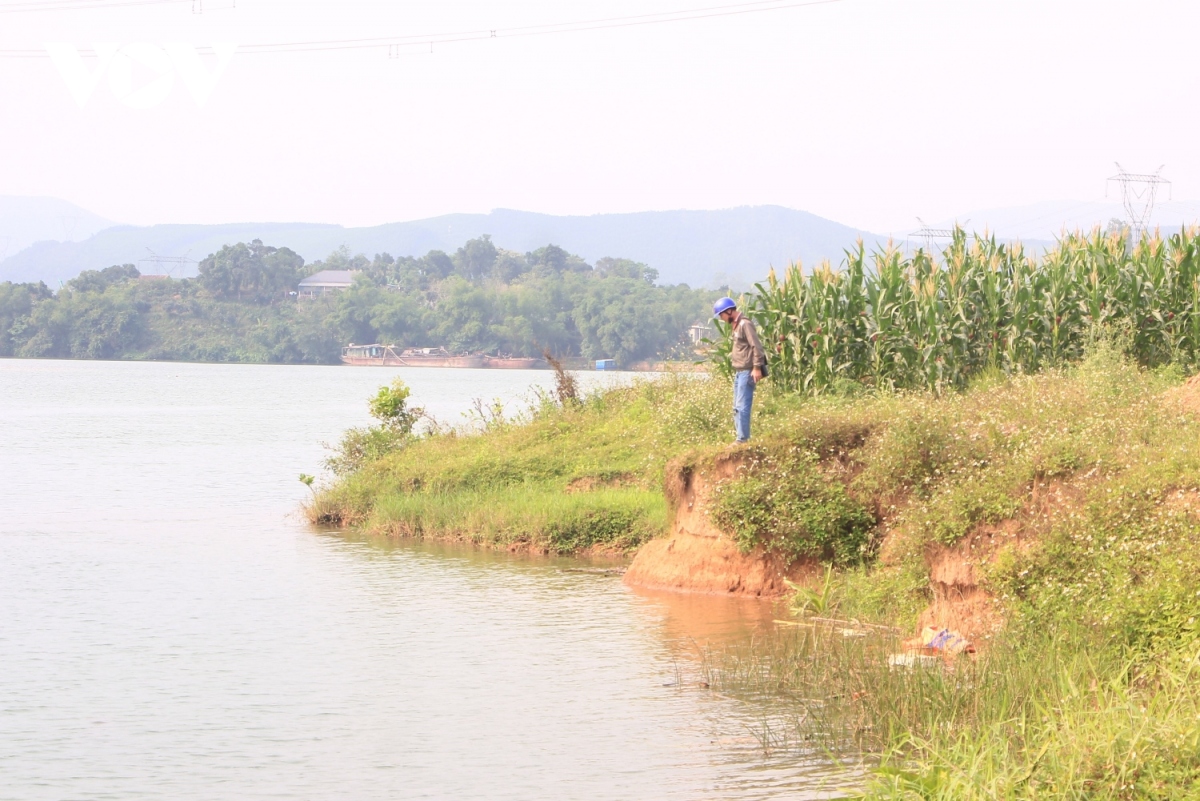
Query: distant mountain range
[[45, 239], [26, 220], [701, 248]]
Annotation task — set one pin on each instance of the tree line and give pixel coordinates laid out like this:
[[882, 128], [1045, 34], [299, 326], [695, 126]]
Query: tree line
[[242, 306]]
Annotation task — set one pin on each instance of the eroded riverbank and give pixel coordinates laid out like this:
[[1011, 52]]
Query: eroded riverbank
[[1046, 519]]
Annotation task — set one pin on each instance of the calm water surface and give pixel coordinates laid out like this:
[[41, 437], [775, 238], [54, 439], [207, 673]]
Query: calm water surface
[[170, 628]]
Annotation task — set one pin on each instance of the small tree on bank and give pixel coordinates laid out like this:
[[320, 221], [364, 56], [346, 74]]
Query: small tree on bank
[[361, 446]]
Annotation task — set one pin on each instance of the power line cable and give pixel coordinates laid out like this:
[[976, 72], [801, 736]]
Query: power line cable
[[538, 30], [79, 5], [1062, 216], [422, 40]]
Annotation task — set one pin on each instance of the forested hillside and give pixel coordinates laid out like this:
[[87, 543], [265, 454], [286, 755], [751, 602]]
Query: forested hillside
[[242, 307]]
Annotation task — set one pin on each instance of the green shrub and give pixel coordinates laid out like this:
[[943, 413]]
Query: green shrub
[[363, 446], [390, 407], [784, 503]]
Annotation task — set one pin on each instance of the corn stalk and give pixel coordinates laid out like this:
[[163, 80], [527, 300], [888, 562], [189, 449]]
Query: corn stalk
[[933, 321]]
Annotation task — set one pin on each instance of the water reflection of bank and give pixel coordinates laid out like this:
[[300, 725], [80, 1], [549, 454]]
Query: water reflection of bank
[[695, 620], [645, 652]]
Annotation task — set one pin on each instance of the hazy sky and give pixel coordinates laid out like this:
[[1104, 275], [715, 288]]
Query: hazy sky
[[870, 112]]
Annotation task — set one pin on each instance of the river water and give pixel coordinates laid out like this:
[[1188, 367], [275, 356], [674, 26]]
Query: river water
[[171, 628]]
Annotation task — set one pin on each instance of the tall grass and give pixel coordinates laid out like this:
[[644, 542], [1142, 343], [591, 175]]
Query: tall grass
[[537, 516], [1040, 714], [893, 321]]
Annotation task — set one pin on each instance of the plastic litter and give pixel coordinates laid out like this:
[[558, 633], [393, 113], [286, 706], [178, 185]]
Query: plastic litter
[[914, 660], [934, 646], [942, 641]]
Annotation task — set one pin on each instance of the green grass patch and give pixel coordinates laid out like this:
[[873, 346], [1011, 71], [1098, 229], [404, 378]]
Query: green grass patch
[[564, 478], [537, 516]]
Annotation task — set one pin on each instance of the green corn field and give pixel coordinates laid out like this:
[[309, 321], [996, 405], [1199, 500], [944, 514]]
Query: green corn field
[[894, 321]]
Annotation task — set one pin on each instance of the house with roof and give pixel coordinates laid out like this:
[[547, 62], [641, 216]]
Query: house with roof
[[326, 281]]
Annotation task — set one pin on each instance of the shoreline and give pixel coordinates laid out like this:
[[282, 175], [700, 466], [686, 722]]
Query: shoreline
[[971, 513]]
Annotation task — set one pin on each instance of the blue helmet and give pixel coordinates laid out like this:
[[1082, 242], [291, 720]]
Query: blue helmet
[[723, 305]]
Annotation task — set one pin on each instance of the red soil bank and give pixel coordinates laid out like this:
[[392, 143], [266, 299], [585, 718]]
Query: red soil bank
[[698, 557]]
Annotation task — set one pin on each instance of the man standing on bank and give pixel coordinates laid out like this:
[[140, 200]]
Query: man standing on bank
[[749, 363]]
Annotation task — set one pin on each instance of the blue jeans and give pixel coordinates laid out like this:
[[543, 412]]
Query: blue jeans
[[743, 398]]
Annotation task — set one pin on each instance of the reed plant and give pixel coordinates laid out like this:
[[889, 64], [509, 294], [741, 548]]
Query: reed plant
[[1040, 714], [893, 321]]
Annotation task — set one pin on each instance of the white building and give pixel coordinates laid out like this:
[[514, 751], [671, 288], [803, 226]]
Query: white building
[[698, 332], [325, 282]]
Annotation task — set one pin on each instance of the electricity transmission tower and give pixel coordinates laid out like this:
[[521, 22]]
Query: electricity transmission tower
[[931, 235], [165, 265], [68, 223], [1138, 193]]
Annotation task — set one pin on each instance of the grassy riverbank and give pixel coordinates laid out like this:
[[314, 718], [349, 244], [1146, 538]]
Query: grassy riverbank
[[1057, 516], [1060, 514], [563, 478]]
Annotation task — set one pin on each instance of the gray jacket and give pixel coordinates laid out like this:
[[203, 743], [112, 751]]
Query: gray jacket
[[747, 350]]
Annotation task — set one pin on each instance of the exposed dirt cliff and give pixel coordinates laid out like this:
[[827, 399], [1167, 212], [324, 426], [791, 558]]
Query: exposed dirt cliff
[[698, 557]]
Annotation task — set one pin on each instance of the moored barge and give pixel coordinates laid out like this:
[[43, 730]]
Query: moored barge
[[388, 356], [517, 363]]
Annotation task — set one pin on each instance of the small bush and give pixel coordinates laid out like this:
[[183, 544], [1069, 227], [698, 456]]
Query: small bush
[[362, 446], [784, 503]]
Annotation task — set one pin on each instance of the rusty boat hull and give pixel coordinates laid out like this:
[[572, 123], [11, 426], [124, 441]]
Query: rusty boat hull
[[388, 356], [517, 363]]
